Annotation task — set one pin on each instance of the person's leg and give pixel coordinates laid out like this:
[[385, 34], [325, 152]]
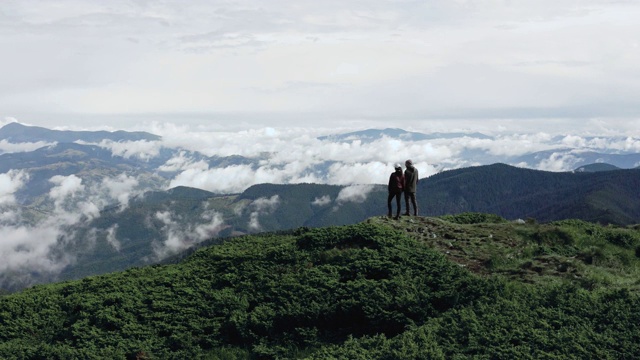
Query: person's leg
[[414, 202], [406, 202], [398, 204], [389, 198]]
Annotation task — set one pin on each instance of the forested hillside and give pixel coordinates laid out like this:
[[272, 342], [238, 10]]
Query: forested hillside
[[608, 197], [469, 285]]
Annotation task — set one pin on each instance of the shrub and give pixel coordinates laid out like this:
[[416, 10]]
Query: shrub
[[592, 254], [474, 218], [620, 237], [554, 236]]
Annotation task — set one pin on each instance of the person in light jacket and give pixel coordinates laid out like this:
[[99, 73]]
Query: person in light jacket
[[410, 187], [396, 185]]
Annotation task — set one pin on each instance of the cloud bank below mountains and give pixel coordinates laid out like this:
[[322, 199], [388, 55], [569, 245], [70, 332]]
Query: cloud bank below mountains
[[37, 244], [296, 155]]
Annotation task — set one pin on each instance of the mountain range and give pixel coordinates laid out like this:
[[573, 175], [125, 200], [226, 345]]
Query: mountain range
[[370, 135], [18, 133], [99, 210]]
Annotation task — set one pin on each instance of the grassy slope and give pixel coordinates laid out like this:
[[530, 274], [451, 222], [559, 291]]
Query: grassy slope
[[572, 250], [470, 285]]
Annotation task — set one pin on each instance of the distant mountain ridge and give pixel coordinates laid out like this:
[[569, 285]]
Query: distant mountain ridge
[[93, 163], [582, 158], [597, 167], [370, 135], [511, 192], [90, 163], [16, 133]]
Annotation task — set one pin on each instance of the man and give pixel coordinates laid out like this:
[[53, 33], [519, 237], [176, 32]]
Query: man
[[410, 187], [396, 184]]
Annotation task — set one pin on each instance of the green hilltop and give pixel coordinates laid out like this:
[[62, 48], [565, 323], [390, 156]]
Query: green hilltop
[[472, 285]]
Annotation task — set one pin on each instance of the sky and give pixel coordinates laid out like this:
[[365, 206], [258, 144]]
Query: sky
[[431, 66]]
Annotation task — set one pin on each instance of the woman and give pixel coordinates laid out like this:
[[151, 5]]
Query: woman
[[396, 185]]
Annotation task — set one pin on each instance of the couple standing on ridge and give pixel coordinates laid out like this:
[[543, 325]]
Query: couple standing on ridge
[[407, 183]]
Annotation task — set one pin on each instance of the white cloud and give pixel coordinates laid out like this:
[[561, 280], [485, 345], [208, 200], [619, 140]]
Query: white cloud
[[502, 145], [354, 193], [42, 246], [141, 149], [9, 216], [231, 179], [322, 201], [121, 188], [180, 234], [65, 187], [10, 182], [89, 209], [558, 162], [295, 155], [264, 204], [29, 248], [8, 147], [260, 206], [181, 162], [291, 155], [111, 237], [254, 222]]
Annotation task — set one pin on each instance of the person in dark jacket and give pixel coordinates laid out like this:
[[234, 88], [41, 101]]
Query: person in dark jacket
[[396, 185], [410, 187]]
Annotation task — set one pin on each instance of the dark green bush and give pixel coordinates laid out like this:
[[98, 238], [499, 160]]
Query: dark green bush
[[554, 236], [474, 218], [621, 237]]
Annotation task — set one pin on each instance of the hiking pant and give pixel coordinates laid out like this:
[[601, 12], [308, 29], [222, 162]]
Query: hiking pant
[[411, 196], [390, 198]]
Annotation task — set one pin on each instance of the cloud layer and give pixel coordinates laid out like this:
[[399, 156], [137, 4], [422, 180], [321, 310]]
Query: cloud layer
[[39, 243], [295, 155]]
